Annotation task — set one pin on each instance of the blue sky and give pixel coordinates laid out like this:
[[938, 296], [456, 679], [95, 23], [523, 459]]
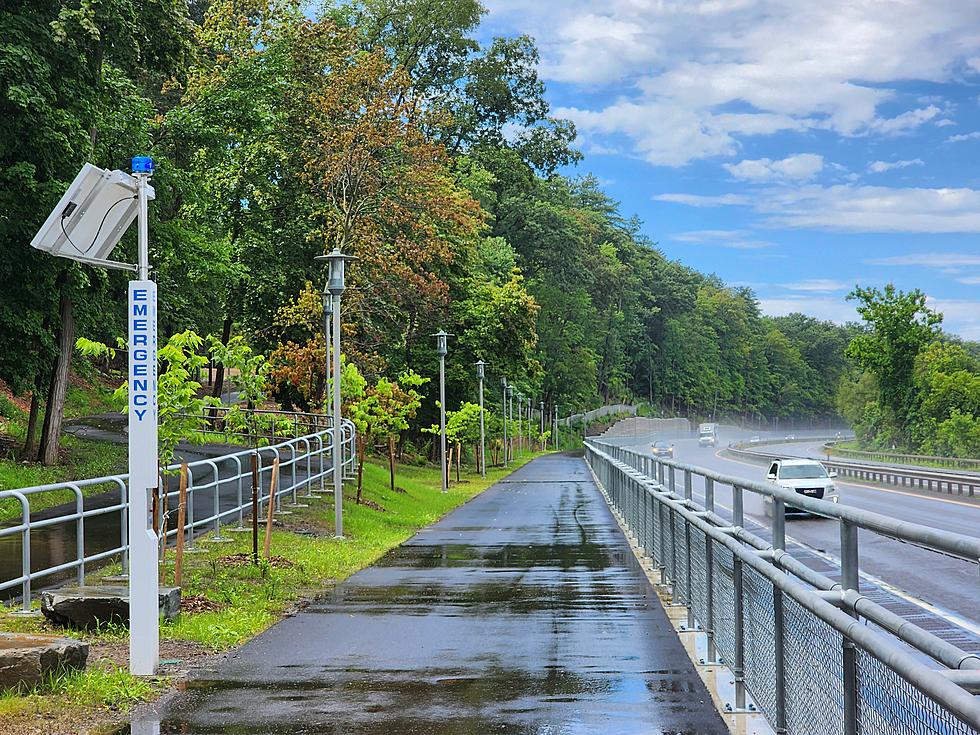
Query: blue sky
[[799, 148]]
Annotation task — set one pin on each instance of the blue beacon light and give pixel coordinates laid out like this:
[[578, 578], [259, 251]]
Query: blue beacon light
[[142, 165]]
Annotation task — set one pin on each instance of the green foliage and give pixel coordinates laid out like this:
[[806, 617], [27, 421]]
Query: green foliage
[[900, 325]]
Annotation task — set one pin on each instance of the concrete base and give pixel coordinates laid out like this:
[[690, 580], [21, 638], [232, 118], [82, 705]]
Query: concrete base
[[90, 606], [25, 660]]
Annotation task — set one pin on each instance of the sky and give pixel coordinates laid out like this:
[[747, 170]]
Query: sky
[[796, 147]]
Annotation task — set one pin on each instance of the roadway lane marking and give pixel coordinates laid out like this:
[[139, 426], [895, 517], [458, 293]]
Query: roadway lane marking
[[936, 499]]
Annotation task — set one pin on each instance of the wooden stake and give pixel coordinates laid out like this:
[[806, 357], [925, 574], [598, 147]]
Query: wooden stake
[[181, 520], [272, 500], [255, 508]]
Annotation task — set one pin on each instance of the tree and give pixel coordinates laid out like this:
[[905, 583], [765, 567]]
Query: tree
[[900, 325]]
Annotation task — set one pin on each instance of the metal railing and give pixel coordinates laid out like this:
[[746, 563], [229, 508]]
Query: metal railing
[[815, 654], [257, 424], [908, 459], [219, 490], [959, 483]]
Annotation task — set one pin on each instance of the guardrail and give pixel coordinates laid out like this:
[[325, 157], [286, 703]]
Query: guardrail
[[216, 487], [958, 483], [899, 458], [797, 641]]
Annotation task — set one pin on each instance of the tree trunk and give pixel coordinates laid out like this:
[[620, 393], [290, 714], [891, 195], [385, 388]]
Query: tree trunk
[[30, 443], [391, 461], [219, 378], [459, 452], [55, 410]]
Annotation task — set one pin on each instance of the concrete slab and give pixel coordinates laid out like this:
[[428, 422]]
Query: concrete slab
[[25, 660], [89, 606], [524, 611]]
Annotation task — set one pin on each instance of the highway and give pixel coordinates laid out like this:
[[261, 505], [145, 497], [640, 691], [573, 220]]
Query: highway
[[936, 585]]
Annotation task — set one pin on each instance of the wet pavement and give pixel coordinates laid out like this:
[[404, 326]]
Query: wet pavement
[[523, 611]]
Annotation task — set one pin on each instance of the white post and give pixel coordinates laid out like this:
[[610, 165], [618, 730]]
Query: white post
[[144, 606]]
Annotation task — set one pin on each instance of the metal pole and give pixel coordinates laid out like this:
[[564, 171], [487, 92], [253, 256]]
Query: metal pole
[[503, 382], [556, 425], [442, 418], [483, 454], [542, 424], [338, 480], [520, 424]]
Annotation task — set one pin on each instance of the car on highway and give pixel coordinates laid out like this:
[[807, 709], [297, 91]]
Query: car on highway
[[663, 449], [755, 440], [708, 435], [804, 476]]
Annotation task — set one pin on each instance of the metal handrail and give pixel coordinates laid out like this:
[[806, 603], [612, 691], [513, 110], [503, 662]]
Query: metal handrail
[[645, 492], [962, 483], [204, 477], [899, 457]]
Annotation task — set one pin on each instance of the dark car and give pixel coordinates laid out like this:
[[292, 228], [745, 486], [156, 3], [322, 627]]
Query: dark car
[[663, 449]]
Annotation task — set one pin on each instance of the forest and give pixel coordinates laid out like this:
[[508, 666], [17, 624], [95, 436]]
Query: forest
[[389, 129]]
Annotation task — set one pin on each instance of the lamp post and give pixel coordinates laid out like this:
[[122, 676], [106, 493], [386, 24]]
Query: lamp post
[[510, 413], [503, 382], [480, 374], [543, 443], [441, 348], [335, 287], [327, 318], [556, 424], [520, 424]]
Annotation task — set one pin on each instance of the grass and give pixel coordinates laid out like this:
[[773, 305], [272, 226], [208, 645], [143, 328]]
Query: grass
[[248, 598], [103, 687]]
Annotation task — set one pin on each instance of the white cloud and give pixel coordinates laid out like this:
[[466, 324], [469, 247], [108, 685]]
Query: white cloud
[[734, 239], [960, 316], [699, 75], [906, 121], [852, 208], [941, 261], [701, 200], [801, 166], [970, 280], [879, 167], [963, 136], [818, 285]]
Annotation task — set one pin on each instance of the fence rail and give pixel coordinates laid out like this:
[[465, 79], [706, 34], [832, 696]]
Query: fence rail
[[958, 483], [219, 490], [797, 641], [259, 424], [907, 459]]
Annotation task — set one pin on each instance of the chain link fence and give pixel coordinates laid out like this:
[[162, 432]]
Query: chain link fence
[[798, 647]]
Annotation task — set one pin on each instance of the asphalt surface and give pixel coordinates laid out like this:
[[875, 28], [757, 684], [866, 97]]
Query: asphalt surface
[[950, 586], [523, 611]]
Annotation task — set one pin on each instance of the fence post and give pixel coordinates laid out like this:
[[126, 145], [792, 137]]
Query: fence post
[[778, 634], [739, 669], [255, 507], [850, 580], [738, 511]]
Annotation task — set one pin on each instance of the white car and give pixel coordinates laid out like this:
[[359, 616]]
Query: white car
[[805, 476]]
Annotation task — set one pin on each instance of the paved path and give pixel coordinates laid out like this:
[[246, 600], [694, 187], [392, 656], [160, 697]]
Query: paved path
[[521, 612]]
